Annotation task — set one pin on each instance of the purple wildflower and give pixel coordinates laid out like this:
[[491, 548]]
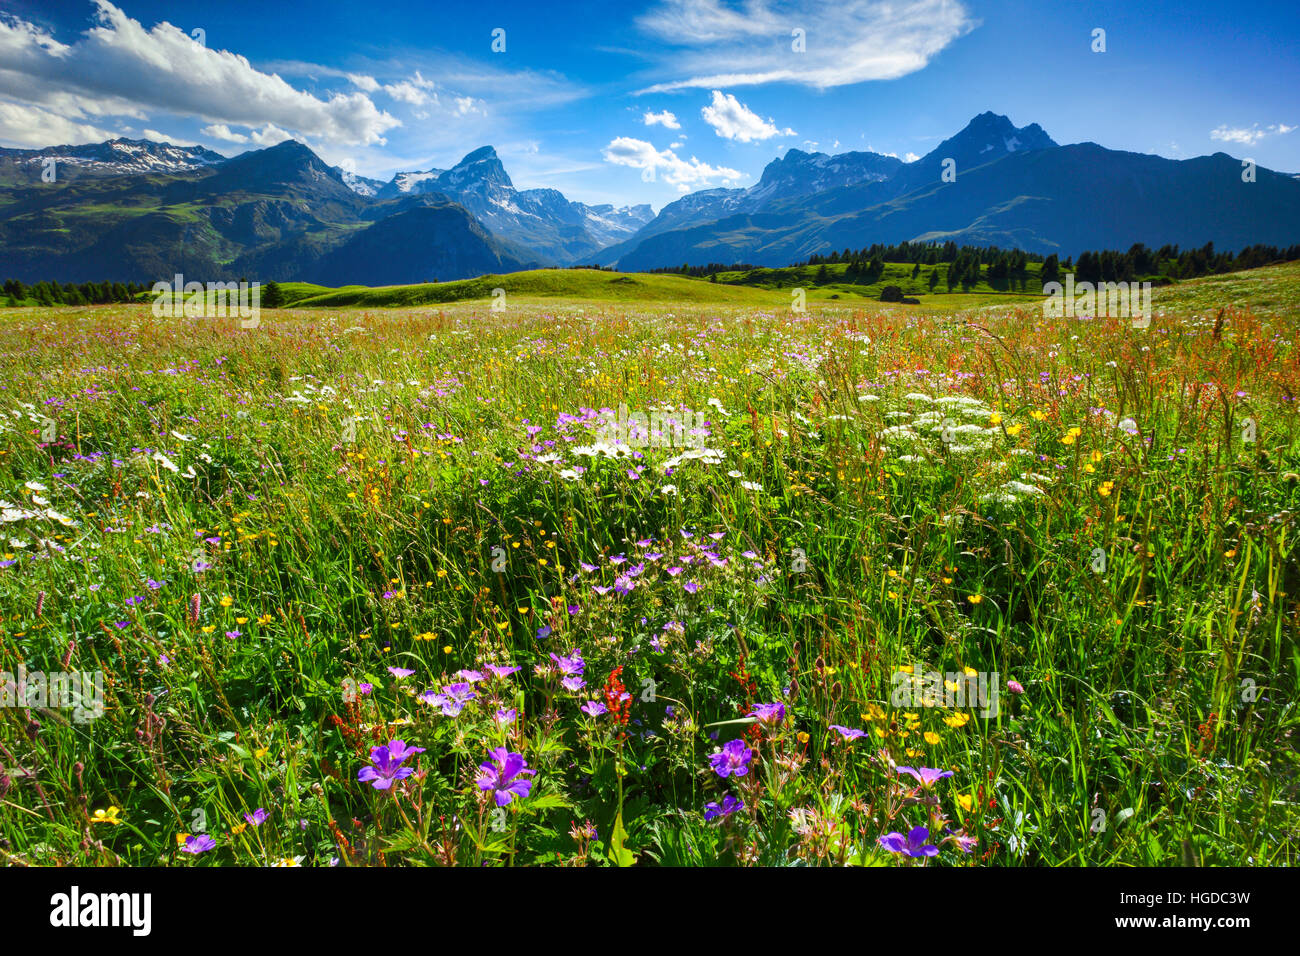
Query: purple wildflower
[[848, 733], [729, 805], [387, 761], [926, 776], [911, 845], [198, 843], [572, 665], [732, 760], [452, 700], [502, 776], [769, 713]]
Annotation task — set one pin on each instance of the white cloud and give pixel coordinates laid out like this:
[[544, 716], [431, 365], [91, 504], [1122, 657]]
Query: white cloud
[[223, 132], [908, 157], [731, 119], [158, 137], [846, 41], [163, 68], [33, 126], [269, 135], [1248, 137], [416, 91], [665, 119], [465, 105], [637, 153], [363, 82]]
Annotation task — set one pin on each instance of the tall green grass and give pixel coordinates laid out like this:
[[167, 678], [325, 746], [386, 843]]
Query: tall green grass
[[366, 494]]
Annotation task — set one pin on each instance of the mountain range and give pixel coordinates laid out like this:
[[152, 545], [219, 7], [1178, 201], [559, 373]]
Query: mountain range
[[140, 210]]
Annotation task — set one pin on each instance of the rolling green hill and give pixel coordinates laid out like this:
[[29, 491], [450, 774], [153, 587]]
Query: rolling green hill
[[758, 287], [1269, 289], [577, 284]]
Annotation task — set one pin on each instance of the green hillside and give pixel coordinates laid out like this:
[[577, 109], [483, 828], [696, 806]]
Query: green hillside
[[577, 284], [758, 287]]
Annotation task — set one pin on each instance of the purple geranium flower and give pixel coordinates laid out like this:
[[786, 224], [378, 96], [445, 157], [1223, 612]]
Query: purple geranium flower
[[964, 843], [911, 845], [452, 700], [388, 764], [769, 713], [732, 760], [593, 708], [400, 672], [503, 776], [502, 671], [729, 805], [926, 776], [198, 843], [571, 666], [257, 817], [848, 733]]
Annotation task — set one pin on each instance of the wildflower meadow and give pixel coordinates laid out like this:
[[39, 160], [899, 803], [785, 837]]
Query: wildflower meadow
[[612, 583]]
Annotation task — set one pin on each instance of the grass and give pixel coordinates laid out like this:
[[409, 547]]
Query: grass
[[244, 531], [759, 288], [574, 284]]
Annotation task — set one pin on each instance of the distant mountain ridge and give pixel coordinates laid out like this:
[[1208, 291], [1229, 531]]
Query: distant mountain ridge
[[542, 219], [136, 209], [1010, 186], [116, 157], [793, 175], [275, 213]]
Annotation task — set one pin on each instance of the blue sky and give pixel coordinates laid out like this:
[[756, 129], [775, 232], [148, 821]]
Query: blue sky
[[396, 85]]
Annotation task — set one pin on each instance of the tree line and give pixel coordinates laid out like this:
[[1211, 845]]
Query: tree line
[[967, 265], [16, 293], [70, 293]]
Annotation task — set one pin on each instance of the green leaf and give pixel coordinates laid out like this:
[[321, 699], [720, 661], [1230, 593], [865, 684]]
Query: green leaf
[[619, 853], [548, 801], [403, 841]]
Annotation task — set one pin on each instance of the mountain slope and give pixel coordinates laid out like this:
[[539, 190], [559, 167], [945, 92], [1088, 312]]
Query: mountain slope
[[276, 213], [428, 240], [1043, 198], [543, 219], [793, 176], [116, 157]]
